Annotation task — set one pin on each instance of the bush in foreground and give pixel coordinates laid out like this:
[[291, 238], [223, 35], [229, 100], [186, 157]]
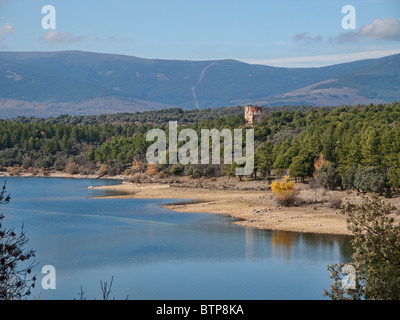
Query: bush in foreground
[[374, 273], [16, 279]]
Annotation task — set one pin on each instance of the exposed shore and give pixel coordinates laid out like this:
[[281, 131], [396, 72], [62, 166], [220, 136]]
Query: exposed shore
[[251, 202], [252, 206]]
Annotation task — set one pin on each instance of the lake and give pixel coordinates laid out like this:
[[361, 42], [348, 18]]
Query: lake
[[158, 254]]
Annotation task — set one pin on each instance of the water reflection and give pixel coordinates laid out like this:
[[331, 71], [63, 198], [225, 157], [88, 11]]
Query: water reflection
[[289, 245], [282, 241], [158, 253]]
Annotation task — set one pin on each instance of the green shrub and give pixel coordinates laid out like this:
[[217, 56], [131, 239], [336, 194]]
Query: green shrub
[[328, 176], [370, 179], [177, 169]]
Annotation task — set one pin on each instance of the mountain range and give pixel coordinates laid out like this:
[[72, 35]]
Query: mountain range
[[85, 83]]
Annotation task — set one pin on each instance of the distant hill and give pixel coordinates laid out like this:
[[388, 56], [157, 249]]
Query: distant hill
[[84, 83]]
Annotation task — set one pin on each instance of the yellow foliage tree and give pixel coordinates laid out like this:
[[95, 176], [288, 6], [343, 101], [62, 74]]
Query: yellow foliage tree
[[151, 169], [319, 163], [285, 191], [136, 166]]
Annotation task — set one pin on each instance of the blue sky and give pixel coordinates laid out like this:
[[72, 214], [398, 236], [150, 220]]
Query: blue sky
[[280, 33]]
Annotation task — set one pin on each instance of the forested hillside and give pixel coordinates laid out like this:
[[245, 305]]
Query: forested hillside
[[343, 147]]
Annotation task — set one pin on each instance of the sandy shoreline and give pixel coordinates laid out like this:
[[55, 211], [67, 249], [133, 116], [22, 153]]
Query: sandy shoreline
[[256, 209], [251, 202]]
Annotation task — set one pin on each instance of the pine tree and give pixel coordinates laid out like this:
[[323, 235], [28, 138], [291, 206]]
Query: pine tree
[[301, 166], [375, 270], [264, 159], [16, 279], [371, 149]]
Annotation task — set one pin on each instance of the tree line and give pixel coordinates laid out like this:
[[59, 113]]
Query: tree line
[[359, 146], [355, 147]]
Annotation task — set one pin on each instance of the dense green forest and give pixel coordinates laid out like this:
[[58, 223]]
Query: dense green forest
[[184, 117], [354, 147]]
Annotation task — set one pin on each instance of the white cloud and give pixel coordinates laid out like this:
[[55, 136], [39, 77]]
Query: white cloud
[[382, 29], [322, 60], [6, 29], [306, 37], [346, 37], [57, 37]]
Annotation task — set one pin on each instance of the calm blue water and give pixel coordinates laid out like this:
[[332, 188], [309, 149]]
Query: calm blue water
[[154, 253]]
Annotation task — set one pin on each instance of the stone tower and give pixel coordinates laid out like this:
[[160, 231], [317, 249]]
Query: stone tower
[[251, 114]]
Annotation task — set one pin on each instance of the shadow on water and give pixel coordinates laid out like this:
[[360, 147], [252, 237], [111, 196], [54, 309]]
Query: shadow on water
[[285, 240]]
